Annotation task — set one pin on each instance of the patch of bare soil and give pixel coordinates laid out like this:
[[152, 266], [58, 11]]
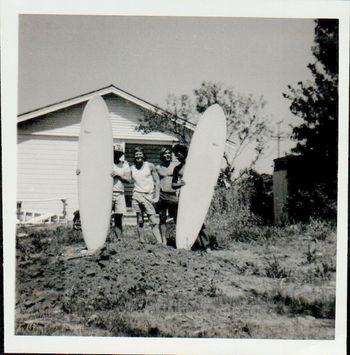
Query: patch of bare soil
[[247, 290]]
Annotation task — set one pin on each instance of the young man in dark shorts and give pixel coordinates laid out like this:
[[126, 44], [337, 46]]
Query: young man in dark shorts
[[167, 205]]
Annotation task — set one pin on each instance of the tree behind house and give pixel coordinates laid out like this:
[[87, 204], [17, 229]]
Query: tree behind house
[[247, 124], [316, 103]]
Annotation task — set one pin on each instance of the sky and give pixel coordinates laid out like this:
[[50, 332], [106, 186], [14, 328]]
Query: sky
[[65, 56]]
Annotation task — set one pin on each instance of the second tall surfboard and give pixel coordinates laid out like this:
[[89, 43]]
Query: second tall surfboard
[[200, 175]]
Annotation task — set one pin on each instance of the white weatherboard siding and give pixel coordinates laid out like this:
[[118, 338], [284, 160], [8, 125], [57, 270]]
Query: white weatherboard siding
[[46, 170], [125, 117], [60, 123]]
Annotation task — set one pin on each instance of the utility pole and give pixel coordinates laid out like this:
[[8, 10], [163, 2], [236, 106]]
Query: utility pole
[[279, 137]]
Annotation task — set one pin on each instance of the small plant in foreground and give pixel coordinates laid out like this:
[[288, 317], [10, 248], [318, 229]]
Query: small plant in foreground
[[275, 270], [311, 254], [319, 230], [325, 271]]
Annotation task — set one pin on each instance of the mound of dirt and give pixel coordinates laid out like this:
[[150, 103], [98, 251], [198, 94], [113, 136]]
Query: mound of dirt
[[133, 289]]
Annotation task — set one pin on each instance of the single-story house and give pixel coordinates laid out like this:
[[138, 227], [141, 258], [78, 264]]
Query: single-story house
[[48, 148]]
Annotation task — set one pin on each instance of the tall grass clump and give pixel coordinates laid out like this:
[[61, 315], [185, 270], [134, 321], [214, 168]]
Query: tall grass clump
[[320, 230], [231, 219], [240, 213]]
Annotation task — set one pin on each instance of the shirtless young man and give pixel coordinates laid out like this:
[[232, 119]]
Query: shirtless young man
[[121, 174], [167, 205], [145, 194]]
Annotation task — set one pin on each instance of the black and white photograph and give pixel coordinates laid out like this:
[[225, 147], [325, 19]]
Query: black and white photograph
[[176, 180]]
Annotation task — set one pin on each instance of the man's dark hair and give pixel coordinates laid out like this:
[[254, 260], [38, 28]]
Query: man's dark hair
[[180, 148], [163, 150], [117, 154]]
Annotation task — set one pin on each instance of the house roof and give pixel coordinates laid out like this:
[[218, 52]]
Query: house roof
[[85, 97], [111, 89]]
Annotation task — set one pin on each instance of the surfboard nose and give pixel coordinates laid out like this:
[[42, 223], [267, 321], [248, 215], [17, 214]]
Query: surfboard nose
[[215, 109], [96, 99]]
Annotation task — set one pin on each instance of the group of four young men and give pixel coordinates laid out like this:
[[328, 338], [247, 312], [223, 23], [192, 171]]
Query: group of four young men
[[155, 187]]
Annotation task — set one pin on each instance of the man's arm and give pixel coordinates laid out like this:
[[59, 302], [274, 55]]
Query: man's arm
[[126, 177], [176, 183], [160, 173], [156, 182]]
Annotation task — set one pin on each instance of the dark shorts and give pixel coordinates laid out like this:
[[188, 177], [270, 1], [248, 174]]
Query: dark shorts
[[167, 205]]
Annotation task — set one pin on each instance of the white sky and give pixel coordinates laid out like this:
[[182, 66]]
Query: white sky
[[65, 56]]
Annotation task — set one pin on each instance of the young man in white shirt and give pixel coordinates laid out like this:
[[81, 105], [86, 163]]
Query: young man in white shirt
[[121, 174], [145, 194]]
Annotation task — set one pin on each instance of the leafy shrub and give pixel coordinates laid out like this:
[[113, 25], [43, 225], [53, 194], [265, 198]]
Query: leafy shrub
[[255, 191], [231, 219], [303, 205], [229, 216]]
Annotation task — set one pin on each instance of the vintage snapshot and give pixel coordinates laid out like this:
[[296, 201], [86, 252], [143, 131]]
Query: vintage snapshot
[[180, 182]]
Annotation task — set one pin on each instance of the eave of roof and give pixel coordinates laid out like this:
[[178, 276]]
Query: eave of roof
[[85, 97], [111, 89]]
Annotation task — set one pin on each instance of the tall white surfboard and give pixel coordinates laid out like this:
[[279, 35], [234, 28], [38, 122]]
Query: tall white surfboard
[[95, 162], [201, 173]]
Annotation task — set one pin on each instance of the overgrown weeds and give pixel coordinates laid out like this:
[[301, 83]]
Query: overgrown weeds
[[231, 220], [275, 270], [318, 230]]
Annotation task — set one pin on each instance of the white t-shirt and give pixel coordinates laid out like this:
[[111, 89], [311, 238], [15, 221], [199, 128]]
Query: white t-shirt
[[143, 179], [118, 186]]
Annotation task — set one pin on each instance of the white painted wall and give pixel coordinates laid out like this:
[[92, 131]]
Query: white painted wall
[[46, 170]]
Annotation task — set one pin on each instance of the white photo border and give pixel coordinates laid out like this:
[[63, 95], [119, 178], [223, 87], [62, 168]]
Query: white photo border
[[11, 9]]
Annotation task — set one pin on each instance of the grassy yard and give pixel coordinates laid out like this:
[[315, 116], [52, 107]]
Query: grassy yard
[[265, 282]]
